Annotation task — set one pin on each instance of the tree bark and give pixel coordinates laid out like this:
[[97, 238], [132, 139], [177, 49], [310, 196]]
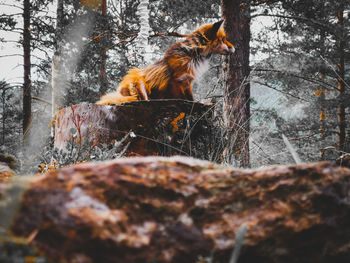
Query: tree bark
[[55, 75], [237, 91], [321, 100], [3, 114], [340, 80], [27, 98], [103, 56]]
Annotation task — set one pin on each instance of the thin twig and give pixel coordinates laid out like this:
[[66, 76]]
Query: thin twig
[[239, 242], [291, 150], [281, 91]]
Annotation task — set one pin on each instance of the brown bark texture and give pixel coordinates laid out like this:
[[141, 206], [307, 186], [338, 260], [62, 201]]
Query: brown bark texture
[[27, 96], [103, 56], [322, 95], [340, 80], [237, 92], [164, 127], [159, 209]]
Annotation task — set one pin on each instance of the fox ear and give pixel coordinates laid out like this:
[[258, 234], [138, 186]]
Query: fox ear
[[217, 25], [214, 30]]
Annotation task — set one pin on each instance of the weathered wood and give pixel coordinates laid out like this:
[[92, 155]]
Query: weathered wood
[[163, 127], [158, 209]]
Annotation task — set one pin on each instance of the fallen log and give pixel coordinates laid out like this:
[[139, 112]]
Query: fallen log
[[164, 127], [158, 209]]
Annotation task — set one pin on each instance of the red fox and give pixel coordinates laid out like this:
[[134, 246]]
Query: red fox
[[172, 76]]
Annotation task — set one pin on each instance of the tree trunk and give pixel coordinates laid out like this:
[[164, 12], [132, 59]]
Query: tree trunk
[[237, 91], [103, 75], [55, 75], [321, 94], [340, 80], [103, 56], [27, 98], [3, 115], [143, 12]]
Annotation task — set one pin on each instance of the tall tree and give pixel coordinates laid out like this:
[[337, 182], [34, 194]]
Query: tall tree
[[319, 30], [103, 57], [27, 97], [4, 87], [56, 82], [340, 47], [237, 91], [143, 35]]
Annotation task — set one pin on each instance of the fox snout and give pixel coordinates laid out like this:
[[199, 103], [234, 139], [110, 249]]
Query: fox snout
[[229, 50], [226, 50]]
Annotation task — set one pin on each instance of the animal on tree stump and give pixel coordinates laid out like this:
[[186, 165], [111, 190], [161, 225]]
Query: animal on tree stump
[[172, 76]]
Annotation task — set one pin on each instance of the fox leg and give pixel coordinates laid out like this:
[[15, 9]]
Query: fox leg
[[183, 86], [179, 90], [188, 93]]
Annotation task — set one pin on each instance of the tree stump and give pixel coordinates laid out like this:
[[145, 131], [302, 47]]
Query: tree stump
[[159, 209], [164, 127]]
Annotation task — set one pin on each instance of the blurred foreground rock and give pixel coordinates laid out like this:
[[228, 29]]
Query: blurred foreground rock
[[158, 209], [164, 127], [15, 250]]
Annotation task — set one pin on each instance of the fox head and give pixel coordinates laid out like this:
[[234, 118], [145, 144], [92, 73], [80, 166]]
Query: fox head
[[213, 39]]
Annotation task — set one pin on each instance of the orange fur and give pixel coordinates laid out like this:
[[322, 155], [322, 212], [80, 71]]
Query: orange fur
[[172, 76]]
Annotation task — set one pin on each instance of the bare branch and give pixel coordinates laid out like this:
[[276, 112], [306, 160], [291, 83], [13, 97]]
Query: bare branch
[[19, 30], [42, 68], [15, 6], [261, 2], [281, 91], [305, 137], [12, 55], [169, 34], [41, 100], [305, 19], [10, 15], [319, 82]]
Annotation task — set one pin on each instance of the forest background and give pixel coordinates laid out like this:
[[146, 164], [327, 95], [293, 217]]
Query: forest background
[[299, 67]]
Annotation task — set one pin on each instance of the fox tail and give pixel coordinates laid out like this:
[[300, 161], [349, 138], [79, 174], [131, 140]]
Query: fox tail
[[115, 98]]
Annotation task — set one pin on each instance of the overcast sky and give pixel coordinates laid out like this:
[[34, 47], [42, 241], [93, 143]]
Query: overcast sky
[[11, 68]]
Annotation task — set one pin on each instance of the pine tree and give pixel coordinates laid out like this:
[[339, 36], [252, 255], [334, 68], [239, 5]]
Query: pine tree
[[237, 91], [4, 88], [56, 78], [312, 67], [27, 96]]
